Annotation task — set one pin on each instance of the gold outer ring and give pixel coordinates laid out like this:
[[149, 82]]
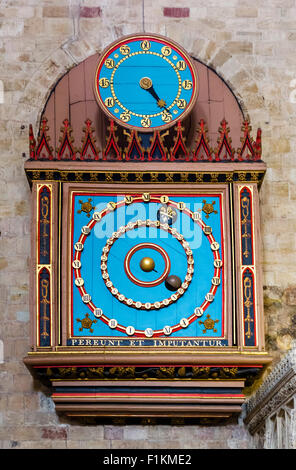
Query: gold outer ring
[[165, 41]]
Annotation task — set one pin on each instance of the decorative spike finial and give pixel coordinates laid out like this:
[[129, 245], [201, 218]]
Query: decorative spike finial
[[89, 150], [43, 150], [112, 151], [179, 150], [224, 143], [249, 150], [32, 143], [66, 150], [202, 150]]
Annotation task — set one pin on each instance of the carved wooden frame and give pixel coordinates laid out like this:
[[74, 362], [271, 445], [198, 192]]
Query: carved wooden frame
[[224, 369], [141, 188]]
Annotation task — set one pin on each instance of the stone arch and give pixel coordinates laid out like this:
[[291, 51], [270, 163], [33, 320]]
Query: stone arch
[[221, 56], [69, 57], [72, 98]]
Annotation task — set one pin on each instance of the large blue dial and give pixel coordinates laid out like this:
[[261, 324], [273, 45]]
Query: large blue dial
[[145, 82]]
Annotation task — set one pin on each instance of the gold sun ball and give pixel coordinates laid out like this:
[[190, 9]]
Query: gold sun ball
[[147, 264]]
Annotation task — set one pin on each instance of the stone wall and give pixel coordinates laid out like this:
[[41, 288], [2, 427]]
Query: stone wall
[[252, 46]]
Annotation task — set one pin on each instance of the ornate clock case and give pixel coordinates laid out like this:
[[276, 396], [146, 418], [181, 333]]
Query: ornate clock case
[[146, 288]]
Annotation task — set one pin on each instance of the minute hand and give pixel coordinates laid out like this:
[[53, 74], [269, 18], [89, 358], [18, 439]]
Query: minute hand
[[155, 95], [160, 102], [146, 84]]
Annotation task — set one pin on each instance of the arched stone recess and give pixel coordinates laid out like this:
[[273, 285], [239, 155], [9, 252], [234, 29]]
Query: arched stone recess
[[91, 35], [48, 74], [222, 57], [232, 72], [219, 93]]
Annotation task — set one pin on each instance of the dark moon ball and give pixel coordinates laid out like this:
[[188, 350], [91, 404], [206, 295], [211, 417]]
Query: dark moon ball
[[173, 282]]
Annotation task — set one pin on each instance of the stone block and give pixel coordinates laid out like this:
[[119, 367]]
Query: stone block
[[94, 444], [136, 433], [57, 27], [33, 444], [113, 432], [20, 12], [173, 12], [31, 403], [246, 12], [289, 296], [55, 11], [90, 12], [53, 433], [11, 27], [22, 383], [12, 417], [23, 316], [239, 47], [3, 262], [26, 433], [221, 57], [83, 432]]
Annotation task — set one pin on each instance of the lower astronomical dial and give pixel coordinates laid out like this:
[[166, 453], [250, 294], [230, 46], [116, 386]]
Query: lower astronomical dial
[[159, 303]]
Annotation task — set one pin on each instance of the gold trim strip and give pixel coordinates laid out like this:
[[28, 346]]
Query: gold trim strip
[[234, 176], [155, 352]]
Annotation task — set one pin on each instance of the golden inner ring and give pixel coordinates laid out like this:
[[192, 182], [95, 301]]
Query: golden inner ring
[[128, 110]]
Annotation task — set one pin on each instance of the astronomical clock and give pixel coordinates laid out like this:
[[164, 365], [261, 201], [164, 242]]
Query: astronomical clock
[[146, 289]]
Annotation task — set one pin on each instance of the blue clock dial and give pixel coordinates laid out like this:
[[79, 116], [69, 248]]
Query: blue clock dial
[[145, 82]]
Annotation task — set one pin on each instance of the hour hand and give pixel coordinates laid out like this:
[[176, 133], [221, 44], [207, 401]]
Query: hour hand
[[146, 84]]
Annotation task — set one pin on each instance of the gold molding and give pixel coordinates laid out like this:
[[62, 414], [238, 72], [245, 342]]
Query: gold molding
[[119, 176]]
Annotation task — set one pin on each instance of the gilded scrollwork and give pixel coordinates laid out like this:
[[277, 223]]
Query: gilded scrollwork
[[151, 373], [165, 372]]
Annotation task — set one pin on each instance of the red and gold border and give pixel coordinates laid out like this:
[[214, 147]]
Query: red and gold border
[[44, 275], [216, 255], [249, 300]]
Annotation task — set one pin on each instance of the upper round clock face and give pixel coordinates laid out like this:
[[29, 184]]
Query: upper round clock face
[[145, 82]]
